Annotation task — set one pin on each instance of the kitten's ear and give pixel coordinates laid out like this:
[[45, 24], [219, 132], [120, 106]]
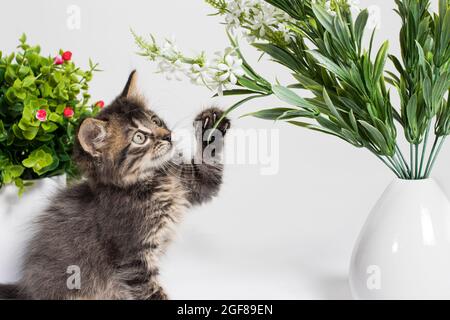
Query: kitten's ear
[[92, 135], [131, 86]]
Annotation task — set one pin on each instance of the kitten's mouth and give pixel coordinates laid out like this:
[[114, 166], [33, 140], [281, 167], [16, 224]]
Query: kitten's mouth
[[163, 154]]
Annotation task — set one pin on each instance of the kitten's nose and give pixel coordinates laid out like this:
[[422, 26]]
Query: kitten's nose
[[167, 137], [163, 134]]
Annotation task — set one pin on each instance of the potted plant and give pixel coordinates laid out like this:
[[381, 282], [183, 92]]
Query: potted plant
[[404, 248], [42, 100]]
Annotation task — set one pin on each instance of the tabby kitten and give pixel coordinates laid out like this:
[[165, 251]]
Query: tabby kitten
[[101, 238]]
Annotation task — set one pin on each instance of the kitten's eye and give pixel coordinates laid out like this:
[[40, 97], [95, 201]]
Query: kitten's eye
[[156, 121], [139, 138]]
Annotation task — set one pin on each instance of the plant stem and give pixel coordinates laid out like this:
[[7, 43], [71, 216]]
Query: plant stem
[[424, 149], [396, 166], [411, 160], [401, 165], [416, 151], [387, 164], [408, 170], [438, 150], [430, 158]]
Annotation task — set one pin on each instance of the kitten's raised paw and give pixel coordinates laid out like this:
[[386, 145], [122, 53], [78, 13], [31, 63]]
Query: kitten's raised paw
[[209, 118]]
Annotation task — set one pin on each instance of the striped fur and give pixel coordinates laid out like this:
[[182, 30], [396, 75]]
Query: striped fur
[[117, 223]]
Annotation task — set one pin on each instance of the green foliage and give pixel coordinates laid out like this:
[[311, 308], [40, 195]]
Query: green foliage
[[348, 83], [31, 148], [351, 95]]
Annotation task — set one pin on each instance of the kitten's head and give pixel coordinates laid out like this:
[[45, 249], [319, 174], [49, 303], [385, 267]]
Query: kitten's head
[[125, 143]]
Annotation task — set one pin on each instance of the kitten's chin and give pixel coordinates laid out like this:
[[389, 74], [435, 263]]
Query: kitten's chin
[[161, 159]]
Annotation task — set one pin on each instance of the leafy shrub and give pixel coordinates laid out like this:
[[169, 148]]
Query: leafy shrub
[[42, 100], [351, 88]]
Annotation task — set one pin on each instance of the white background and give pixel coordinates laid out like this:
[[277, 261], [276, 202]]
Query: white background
[[286, 236]]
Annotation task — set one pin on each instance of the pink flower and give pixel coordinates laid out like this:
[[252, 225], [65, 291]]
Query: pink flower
[[41, 115], [58, 60], [100, 104], [67, 56], [68, 112]]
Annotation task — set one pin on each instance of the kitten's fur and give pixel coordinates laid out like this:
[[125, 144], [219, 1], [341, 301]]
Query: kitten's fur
[[116, 224]]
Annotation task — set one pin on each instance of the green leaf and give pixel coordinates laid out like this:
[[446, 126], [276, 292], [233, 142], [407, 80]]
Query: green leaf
[[10, 173], [39, 159], [3, 132], [360, 26], [252, 85], [235, 92], [375, 136], [333, 109], [324, 18], [30, 133], [321, 130], [289, 96], [411, 113], [49, 127], [28, 81], [380, 62], [55, 117], [280, 55], [329, 65], [269, 114]]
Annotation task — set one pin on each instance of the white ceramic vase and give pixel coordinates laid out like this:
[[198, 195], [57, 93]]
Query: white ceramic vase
[[16, 217], [403, 251]]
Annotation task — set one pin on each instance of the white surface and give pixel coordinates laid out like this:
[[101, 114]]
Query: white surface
[[16, 222], [287, 236], [403, 251]]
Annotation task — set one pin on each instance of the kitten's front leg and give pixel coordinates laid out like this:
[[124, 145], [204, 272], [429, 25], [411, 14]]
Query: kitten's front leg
[[150, 290], [141, 282], [203, 177]]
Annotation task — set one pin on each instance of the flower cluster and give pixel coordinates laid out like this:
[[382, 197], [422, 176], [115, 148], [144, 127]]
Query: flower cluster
[[217, 73], [43, 99], [68, 112], [255, 20], [61, 58], [331, 5]]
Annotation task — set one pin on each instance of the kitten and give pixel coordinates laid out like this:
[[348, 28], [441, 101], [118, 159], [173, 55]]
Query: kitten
[[107, 232]]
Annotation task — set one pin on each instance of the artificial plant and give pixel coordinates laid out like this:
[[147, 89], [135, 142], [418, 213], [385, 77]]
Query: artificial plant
[[42, 100], [322, 43]]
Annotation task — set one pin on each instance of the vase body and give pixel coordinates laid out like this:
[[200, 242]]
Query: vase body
[[16, 221], [403, 251]]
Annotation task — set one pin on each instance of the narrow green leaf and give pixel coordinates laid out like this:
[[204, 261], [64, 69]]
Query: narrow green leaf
[[360, 25], [289, 96], [269, 114], [329, 65], [324, 18], [380, 61]]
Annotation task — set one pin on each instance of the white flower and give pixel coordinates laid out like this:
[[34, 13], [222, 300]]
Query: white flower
[[234, 14], [172, 70], [254, 18], [230, 69], [170, 49], [252, 3], [329, 9], [259, 24], [200, 74], [283, 28], [249, 36]]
